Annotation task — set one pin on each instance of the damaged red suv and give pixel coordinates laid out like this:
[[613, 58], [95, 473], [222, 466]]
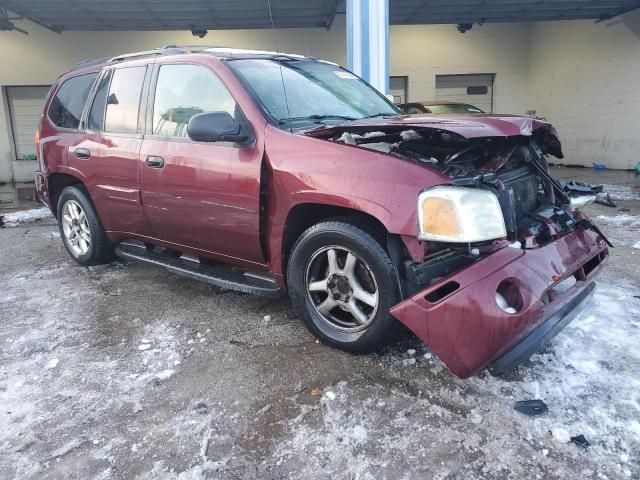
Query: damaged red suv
[[265, 172]]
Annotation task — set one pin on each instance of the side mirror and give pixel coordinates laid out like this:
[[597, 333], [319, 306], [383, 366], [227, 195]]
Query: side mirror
[[215, 127]]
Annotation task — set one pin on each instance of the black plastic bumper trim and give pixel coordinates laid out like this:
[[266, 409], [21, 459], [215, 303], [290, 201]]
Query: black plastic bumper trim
[[543, 334]]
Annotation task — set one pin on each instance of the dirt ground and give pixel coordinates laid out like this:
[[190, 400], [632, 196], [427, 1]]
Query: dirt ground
[[126, 371]]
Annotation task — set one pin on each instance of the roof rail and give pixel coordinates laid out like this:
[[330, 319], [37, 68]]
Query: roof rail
[[147, 53], [189, 46], [164, 50]]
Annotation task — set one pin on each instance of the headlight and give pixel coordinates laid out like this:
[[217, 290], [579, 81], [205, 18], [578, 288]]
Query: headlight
[[459, 215]]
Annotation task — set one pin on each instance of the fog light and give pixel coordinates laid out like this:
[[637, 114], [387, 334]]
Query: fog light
[[508, 297]]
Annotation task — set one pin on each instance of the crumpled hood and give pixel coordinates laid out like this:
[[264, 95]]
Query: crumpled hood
[[467, 126]]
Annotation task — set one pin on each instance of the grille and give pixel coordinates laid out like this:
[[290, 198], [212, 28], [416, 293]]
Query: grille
[[525, 185]]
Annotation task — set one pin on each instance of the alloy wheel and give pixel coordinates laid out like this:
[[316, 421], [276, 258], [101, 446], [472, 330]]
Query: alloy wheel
[[342, 288], [76, 228]]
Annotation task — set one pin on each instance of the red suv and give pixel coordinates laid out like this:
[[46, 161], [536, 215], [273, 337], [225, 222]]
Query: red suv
[[262, 171]]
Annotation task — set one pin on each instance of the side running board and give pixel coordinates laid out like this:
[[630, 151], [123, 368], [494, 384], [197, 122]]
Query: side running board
[[223, 276]]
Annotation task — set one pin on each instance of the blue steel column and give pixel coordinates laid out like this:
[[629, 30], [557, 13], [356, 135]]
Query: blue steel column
[[368, 41]]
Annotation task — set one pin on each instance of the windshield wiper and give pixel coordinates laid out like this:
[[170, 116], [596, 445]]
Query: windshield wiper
[[382, 114], [316, 117]]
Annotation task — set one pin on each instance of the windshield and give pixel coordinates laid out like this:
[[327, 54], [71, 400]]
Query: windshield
[[315, 92], [454, 108]]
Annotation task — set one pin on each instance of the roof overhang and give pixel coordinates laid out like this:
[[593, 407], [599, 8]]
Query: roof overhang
[[118, 15]]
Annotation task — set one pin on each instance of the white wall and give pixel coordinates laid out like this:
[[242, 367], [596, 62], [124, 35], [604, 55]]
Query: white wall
[[424, 51], [585, 79]]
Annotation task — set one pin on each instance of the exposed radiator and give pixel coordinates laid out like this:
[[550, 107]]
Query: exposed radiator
[[525, 185]]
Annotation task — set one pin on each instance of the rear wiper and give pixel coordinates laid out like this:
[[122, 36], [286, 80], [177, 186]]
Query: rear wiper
[[315, 117]]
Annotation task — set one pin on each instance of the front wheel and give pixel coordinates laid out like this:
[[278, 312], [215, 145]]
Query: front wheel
[[81, 230], [342, 283]]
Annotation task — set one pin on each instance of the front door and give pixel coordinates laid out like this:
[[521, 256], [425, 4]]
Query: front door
[[200, 195]]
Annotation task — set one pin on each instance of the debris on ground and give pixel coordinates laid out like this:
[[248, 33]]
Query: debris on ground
[[330, 395], [53, 363], [560, 435], [531, 407], [264, 409], [581, 441], [605, 201]]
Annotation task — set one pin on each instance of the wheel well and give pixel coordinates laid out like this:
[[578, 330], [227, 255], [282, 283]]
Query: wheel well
[[306, 215], [57, 183]]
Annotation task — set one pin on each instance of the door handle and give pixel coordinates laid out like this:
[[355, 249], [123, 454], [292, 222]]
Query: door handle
[[82, 153], [155, 162]]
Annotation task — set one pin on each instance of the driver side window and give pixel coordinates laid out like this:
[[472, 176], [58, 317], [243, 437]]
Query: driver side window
[[183, 91]]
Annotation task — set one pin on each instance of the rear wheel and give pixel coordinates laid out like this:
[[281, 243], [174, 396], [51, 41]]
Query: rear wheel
[[342, 284], [81, 230]]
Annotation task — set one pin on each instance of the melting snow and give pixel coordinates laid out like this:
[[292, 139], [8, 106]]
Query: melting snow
[[26, 216]]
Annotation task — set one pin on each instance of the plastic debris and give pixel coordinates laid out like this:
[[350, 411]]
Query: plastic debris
[[605, 201], [599, 166], [411, 351], [531, 407], [53, 363], [581, 441], [330, 395], [560, 435]]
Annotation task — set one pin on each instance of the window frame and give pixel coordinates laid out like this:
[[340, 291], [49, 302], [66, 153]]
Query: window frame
[[150, 103], [94, 91], [142, 106], [56, 89]]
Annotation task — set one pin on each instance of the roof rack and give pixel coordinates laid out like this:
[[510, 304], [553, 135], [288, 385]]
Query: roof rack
[[164, 50], [191, 46], [169, 50]]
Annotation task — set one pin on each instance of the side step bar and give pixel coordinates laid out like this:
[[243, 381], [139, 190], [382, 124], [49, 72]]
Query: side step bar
[[223, 276]]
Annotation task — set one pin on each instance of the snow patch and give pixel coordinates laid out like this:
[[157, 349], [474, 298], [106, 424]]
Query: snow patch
[[26, 216]]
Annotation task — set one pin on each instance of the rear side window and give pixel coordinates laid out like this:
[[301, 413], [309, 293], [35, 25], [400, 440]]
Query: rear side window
[[67, 105], [96, 114], [123, 101], [183, 91]]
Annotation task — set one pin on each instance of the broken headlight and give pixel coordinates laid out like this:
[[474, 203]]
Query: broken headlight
[[459, 215]]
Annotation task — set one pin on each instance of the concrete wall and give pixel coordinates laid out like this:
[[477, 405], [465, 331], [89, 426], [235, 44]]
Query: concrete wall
[[424, 51], [585, 79]]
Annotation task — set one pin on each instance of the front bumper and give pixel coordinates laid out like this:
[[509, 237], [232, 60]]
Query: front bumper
[[458, 316]]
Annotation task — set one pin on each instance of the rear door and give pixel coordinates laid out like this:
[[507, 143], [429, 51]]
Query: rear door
[[200, 195], [111, 150]]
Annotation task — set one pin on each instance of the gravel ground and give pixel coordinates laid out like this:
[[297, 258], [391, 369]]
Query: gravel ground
[[126, 371]]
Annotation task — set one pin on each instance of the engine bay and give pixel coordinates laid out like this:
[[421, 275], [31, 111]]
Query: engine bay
[[536, 207]]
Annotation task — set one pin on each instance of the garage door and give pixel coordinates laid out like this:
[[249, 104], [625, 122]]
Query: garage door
[[476, 90], [25, 107]]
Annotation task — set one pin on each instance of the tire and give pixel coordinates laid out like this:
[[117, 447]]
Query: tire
[[81, 230], [316, 283]]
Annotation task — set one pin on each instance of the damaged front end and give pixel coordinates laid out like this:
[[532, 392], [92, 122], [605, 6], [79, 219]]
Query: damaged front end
[[493, 293]]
